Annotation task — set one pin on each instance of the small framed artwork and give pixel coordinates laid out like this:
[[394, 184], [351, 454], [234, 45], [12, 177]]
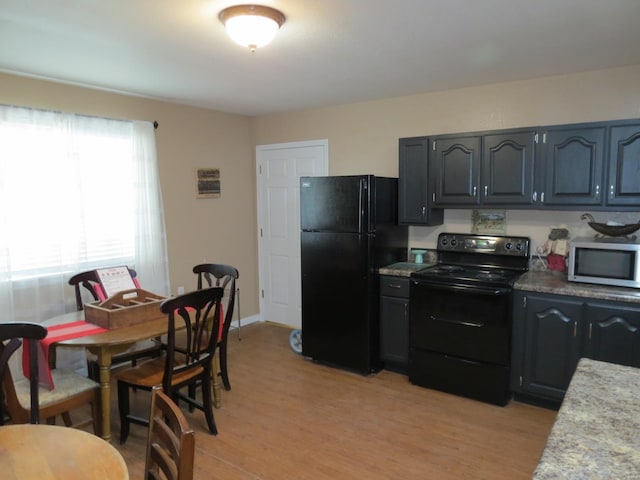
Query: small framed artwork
[[489, 222], [208, 182]]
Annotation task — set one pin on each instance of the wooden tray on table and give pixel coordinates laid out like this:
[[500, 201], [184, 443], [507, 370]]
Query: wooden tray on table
[[125, 309]]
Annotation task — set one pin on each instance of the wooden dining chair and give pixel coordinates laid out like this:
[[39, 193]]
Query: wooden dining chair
[[12, 333], [224, 276], [26, 401], [91, 283], [198, 314], [170, 441]]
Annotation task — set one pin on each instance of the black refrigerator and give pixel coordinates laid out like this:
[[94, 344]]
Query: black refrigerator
[[348, 231]]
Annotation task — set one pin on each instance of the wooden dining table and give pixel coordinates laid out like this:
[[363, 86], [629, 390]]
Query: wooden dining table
[[50, 452], [105, 345]]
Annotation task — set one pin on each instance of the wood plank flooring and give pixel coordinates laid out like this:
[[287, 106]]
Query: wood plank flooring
[[289, 418]]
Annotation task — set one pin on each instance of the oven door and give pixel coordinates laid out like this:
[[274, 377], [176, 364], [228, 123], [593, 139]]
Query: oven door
[[470, 322]]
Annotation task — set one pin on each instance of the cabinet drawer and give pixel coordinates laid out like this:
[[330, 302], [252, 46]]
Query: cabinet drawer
[[394, 286]]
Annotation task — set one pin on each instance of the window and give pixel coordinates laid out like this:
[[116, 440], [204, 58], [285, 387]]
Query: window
[[76, 193]]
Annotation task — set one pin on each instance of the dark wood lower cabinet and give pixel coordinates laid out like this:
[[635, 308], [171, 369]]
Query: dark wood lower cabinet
[[552, 332], [394, 323], [613, 333], [552, 345]]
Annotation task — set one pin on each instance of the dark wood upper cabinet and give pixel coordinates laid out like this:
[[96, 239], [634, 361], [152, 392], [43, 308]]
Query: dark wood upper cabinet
[[563, 167], [573, 166], [624, 166], [484, 169], [508, 162], [414, 202], [455, 164]]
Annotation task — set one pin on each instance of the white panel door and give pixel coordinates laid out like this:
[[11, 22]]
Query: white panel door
[[279, 170]]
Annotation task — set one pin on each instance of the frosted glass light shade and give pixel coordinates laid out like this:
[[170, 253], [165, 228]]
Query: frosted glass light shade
[[251, 26]]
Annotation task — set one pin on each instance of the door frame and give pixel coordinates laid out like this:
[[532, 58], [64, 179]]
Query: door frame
[[260, 211]]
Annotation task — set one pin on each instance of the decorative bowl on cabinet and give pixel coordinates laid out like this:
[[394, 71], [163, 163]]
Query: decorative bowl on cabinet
[[610, 230]]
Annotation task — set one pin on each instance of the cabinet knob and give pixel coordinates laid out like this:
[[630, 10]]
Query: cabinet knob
[[475, 190], [611, 191], [424, 210], [535, 197], [597, 191], [486, 189]]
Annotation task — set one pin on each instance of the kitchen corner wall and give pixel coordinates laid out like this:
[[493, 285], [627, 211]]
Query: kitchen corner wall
[[363, 137]]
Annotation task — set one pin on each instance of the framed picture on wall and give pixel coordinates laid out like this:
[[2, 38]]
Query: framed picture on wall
[[494, 223], [208, 182]]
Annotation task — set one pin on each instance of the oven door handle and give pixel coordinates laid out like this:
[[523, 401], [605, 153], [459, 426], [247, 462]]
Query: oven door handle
[[467, 289], [456, 322]]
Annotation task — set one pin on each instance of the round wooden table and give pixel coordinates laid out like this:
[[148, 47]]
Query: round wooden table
[[48, 452]]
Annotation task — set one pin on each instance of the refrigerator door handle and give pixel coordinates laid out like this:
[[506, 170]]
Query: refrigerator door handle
[[360, 200]]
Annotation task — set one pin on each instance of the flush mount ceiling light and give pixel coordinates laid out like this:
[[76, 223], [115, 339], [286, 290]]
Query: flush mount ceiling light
[[251, 26]]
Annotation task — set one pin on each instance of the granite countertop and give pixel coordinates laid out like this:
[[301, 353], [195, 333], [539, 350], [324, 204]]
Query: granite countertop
[[556, 282], [402, 269], [596, 434], [546, 281]]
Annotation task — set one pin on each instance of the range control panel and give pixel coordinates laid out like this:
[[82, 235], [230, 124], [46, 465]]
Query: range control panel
[[492, 244]]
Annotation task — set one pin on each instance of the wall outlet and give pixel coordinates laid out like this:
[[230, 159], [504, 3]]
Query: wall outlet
[[180, 290]]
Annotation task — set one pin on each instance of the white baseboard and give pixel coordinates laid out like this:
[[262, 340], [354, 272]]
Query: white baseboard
[[245, 321]]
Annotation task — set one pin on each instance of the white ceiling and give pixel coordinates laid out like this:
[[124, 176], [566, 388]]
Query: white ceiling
[[328, 52]]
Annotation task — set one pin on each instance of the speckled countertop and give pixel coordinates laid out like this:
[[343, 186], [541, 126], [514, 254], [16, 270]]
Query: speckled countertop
[[556, 282], [596, 434], [545, 281], [402, 269]]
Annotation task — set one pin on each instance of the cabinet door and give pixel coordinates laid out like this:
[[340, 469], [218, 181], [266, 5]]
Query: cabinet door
[[507, 169], [456, 168], [394, 322], [573, 162], [552, 344], [413, 184], [624, 166], [394, 332], [613, 333]]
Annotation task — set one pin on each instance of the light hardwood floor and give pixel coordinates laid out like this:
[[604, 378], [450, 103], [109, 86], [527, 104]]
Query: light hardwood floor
[[289, 418]]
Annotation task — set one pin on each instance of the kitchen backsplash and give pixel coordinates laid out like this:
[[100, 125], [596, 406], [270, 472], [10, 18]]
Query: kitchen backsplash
[[538, 262], [430, 256], [535, 224]]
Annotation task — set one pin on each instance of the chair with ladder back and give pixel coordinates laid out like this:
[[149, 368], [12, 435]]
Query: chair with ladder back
[[90, 280], [223, 276], [170, 441], [198, 314], [26, 400]]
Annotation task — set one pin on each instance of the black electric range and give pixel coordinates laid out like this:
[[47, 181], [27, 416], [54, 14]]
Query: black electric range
[[460, 315]]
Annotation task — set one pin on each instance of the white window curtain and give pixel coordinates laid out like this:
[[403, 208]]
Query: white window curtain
[[76, 193]]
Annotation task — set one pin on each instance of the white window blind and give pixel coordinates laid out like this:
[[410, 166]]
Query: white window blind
[[76, 193]]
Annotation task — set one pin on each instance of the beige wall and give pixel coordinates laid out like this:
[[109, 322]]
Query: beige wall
[[198, 230], [363, 138]]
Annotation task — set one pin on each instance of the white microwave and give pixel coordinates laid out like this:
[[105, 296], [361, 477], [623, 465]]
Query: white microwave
[[606, 261]]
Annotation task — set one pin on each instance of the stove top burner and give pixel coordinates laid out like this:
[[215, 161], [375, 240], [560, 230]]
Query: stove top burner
[[447, 269], [468, 273], [478, 260]]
